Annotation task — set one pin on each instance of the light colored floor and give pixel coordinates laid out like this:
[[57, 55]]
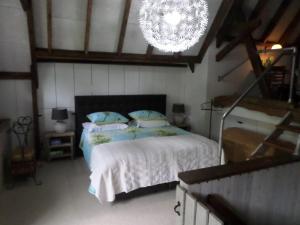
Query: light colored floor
[[63, 200]]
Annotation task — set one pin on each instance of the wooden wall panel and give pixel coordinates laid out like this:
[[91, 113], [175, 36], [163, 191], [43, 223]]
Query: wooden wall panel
[[100, 79], [268, 196], [47, 86], [116, 83], [65, 85], [83, 79], [132, 79]]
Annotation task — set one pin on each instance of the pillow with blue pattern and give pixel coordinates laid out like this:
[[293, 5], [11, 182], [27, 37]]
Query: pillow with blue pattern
[[147, 115], [107, 118]]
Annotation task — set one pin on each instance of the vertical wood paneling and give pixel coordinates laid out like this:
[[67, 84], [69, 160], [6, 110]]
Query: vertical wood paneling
[[47, 86], [146, 80], [59, 83], [132, 79], [116, 83], [201, 214], [268, 196], [100, 79], [190, 210], [24, 98], [65, 85], [213, 220], [180, 198], [83, 79]]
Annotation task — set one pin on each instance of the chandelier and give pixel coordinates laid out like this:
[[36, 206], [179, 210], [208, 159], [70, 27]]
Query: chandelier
[[173, 25]]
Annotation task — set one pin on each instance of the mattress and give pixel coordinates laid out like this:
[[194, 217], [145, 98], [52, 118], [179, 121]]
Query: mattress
[[120, 162]]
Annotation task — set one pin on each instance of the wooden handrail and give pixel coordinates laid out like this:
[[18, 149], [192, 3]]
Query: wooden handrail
[[218, 172]]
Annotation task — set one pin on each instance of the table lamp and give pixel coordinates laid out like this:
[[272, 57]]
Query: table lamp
[[60, 115], [178, 113]]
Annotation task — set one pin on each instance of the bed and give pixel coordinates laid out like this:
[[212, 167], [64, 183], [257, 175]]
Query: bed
[[147, 157]]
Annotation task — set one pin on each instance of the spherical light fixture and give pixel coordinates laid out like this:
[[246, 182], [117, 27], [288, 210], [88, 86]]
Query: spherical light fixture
[[173, 25]]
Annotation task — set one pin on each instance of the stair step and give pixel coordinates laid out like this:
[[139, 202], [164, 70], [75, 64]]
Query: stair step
[[281, 145], [295, 129]]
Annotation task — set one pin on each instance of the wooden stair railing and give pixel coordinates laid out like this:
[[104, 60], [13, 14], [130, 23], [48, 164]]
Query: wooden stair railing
[[273, 139]]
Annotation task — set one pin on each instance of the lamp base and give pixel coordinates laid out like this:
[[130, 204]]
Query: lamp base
[[179, 119], [60, 127]]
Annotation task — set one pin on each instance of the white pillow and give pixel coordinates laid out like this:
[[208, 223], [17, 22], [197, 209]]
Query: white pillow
[[92, 127], [152, 123]]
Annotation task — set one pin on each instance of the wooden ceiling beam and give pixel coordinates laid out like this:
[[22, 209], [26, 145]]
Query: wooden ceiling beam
[[34, 74], [108, 57], [88, 26], [221, 15], [49, 24], [251, 26], [292, 27], [25, 4], [124, 26], [259, 7], [275, 19], [15, 75]]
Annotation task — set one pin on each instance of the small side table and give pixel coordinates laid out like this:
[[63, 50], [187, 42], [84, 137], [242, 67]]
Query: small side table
[[184, 126], [60, 145]]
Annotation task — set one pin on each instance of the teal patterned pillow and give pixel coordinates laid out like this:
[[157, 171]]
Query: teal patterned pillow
[[147, 115], [107, 117]]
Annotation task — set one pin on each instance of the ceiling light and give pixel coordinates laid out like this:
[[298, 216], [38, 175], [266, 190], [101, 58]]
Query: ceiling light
[[276, 46], [173, 25]]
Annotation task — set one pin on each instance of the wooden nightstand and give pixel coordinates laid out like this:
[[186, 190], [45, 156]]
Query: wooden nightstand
[[186, 127], [59, 145]]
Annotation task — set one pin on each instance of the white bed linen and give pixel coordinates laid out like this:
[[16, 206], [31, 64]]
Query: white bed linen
[[128, 165]]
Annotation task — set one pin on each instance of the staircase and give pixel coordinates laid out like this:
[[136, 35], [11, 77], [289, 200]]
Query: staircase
[[273, 140]]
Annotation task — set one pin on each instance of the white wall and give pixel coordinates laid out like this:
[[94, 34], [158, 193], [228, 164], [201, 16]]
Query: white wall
[[60, 82]]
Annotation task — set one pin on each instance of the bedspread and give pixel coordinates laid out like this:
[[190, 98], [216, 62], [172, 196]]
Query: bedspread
[[123, 166]]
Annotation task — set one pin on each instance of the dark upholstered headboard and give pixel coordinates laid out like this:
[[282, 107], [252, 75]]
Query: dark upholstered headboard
[[123, 104]]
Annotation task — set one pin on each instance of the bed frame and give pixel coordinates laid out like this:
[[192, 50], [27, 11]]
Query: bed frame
[[123, 104]]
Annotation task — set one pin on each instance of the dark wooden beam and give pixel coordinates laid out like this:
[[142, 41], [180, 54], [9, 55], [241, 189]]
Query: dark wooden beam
[[149, 51], [192, 67], [251, 26], [292, 27], [216, 25], [79, 56], [275, 19], [34, 82], [49, 24], [256, 63], [124, 26], [15, 76], [25, 4], [229, 28], [88, 26], [259, 7]]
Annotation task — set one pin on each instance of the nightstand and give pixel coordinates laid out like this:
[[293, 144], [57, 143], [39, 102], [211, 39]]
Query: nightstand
[[59, 145], [186, 127]]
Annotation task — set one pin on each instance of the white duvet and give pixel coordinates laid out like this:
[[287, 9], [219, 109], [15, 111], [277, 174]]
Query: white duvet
[[128, 165]]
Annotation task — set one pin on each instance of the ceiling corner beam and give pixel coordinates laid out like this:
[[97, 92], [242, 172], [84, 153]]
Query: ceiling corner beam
[[25, 5], [124, 26], [259, 7], [275, 19], [49, 24], [251, 26], [290, 29], [88, 26], [221, 15]]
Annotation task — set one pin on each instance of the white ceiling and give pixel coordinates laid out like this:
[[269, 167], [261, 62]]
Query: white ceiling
[[69, 18]]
